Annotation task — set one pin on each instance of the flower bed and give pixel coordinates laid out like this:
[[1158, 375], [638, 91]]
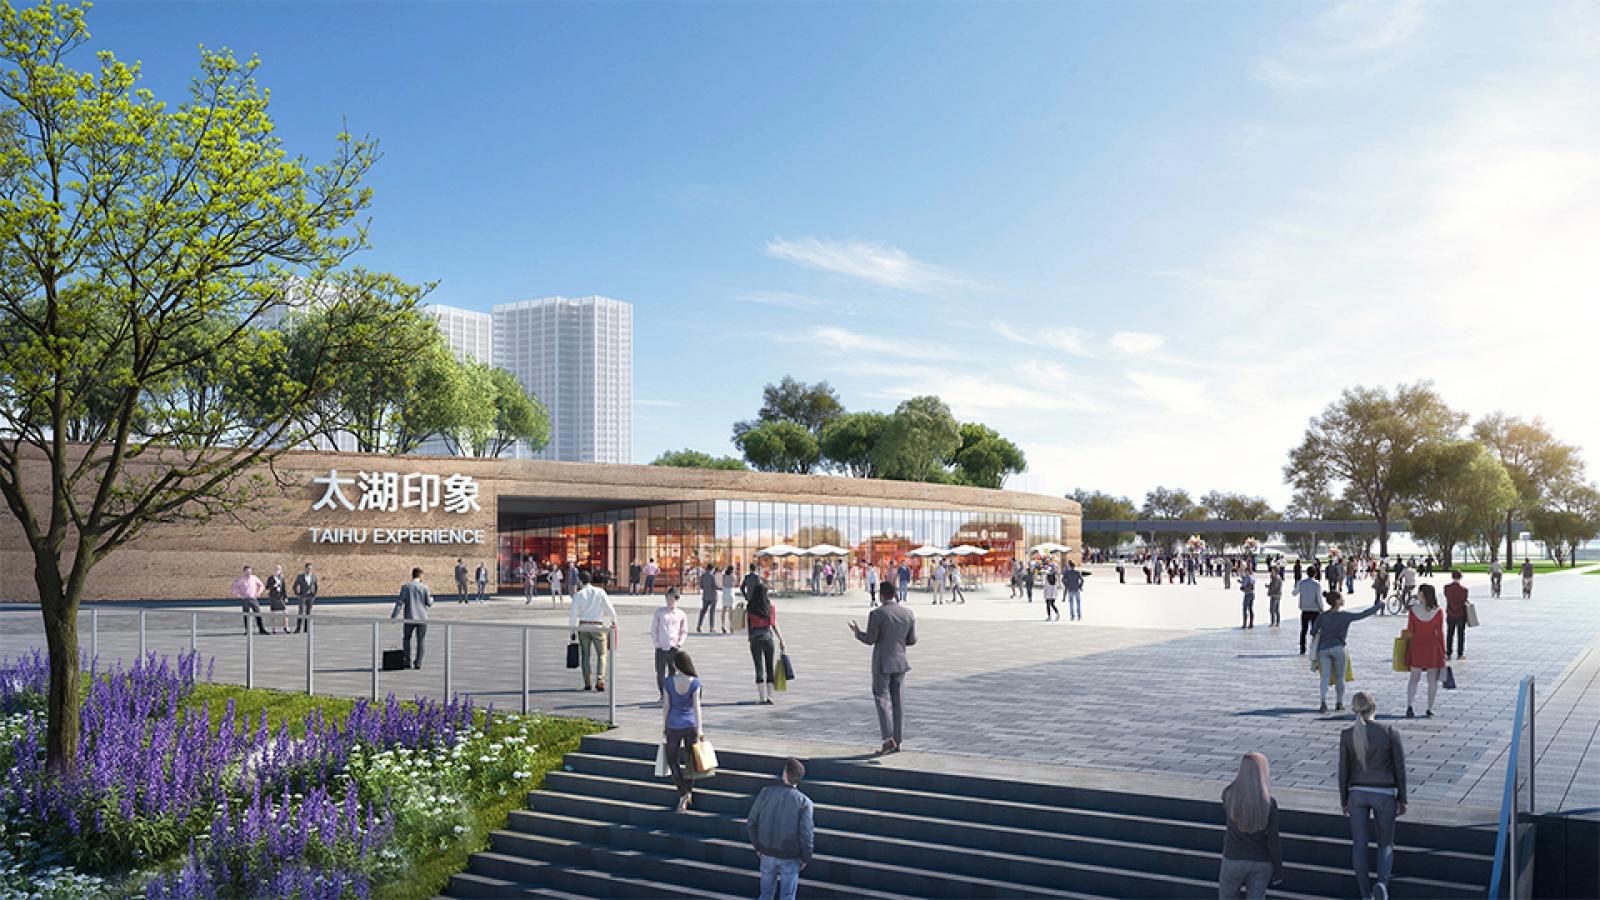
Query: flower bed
[[179, 794]]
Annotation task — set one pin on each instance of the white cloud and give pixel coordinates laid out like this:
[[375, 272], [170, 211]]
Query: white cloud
[[1168, 391], [832, 339], [1350, 39], [785, 299], [877, 263], [1070, 340], [1137, 343]]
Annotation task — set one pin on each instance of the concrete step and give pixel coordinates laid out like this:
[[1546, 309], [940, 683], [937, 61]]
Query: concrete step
[[666, 875], [493, 868], [1176, 848], [469, 884], [959, 786]]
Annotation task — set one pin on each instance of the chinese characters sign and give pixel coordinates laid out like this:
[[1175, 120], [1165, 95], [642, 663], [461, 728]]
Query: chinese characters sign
[[392, 492]]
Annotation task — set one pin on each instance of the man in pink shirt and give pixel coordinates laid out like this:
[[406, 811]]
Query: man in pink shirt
[[248, 588], [668, 630]]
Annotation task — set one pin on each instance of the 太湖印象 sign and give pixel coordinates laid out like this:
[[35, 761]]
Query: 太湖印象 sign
[[393, 492]]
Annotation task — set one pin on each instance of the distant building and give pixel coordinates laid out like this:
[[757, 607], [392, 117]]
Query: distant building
[[470, 335], [576, 356]]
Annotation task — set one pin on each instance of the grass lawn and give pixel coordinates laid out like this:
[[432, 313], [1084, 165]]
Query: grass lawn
[[427, 875], [1514, 571]]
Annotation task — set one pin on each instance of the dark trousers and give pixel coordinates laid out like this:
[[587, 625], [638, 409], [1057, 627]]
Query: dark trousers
[[254, 611], [1029, 586], [1307, 616], [1250, 610], [708, 607], [1050, 607], [886, 690], [763, 649], [664, 667], [1122, 577], [461, 591], [1272, 607], [420, 629], [680, 739], [306, 603], [1456, 630]]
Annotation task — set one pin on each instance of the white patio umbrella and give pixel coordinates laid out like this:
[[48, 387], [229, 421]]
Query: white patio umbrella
[[928, 550], [827, 550], [967, 550], [1052, 547], [781, 550]]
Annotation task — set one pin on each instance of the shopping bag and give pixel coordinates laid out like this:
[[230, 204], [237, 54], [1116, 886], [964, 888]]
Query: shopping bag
[[1472, 615], [780, 681], [786, 666], [703, 758], [1349, 672], [663, 768], [1449, 678], [572, 655], [1402, 644], [739, 617]]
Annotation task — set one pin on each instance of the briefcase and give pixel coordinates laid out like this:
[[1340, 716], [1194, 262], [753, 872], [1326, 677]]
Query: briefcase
[[394, 660], [572, 655]]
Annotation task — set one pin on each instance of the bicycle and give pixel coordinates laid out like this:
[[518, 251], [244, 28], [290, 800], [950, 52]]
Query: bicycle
[[1400, 600]]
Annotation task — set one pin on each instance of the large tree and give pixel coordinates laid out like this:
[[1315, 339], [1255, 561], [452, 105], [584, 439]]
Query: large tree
[[848, 442], [1457, 485], [695, 459], [1367, 442], [1569, 516], [128, 230], [1534, 459], [918, 442], [1105, 507], [985, 459], [1169, 503], [1233, 507], [780, 447], [499, 412], [811, 406]]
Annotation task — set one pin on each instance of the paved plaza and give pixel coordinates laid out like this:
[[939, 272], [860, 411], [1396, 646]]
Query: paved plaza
[[1156, 679]]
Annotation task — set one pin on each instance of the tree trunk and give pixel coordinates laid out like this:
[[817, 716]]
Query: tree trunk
[[61, 638], [1383, 535], [1509, 536]]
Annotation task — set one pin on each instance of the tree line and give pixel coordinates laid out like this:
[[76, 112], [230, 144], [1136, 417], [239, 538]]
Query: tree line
[[803, 429], [1388, 456]]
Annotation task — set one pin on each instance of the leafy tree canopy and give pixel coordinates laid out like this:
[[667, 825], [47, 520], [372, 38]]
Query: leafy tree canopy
[[780, 447], [1456, 485], [694, 459], [918, 441], [984, 458], [847, 442], [1102, 506], [811, 406]]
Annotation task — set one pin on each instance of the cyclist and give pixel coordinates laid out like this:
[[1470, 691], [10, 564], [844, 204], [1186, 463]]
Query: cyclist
[[1495, 574]]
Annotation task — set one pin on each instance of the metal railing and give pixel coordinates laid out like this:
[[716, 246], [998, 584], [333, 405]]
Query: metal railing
[[1507, 858], [248, 638]]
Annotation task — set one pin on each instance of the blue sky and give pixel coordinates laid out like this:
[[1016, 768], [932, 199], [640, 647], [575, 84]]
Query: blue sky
[[1145, 240]]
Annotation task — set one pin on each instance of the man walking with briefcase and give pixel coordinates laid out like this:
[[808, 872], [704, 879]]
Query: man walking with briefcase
[[414, 600]]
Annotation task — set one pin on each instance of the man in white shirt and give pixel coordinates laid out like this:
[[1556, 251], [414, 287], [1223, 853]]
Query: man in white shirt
[[937, 583], [1309, 590], [591, 615], [668, 630]]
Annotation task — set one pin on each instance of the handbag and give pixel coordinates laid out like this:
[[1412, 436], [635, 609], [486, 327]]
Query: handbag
[[663, 768], [787, 667], [572, 654], [1449, 678], [1402, 645], [394, 660], [703, 758], [1472, 615]]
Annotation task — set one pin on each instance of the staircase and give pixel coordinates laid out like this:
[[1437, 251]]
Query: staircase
[[605, 828]]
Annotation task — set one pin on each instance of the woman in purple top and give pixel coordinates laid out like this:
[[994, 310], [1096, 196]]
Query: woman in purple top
[[681, 721]]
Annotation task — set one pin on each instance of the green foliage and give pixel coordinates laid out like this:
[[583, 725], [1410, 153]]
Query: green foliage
[[811, 406], [694, 459], [142, 244], [1170, 503], [1455, 487], [498, 412], [847, 442], [1233, 507], [780, 447], [1315, 503], [1101, 506], [984, 458], [1534, 459], [1367, 442], [918, 442], [1569, 516]]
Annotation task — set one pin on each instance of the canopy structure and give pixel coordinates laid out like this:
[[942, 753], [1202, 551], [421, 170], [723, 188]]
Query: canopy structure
[[928, 550], [781, 550], [967, 550], [1052, 547], [827, 550]]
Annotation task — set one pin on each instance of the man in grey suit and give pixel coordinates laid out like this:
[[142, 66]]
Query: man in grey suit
[[891, 628], [305, 591], [415, 598]]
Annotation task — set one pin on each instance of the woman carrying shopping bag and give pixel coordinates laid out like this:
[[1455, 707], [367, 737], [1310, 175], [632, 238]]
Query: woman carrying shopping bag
[[682, 725], [1329, 631], [1425, 650]]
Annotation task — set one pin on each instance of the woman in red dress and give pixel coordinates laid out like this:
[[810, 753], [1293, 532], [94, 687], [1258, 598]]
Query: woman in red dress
[[1426, 650]]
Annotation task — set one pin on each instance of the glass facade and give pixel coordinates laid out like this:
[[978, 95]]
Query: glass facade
[[682, 536]]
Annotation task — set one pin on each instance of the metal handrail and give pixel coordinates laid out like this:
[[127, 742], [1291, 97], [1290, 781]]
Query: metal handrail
[[376, 623], [1506, 854]]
